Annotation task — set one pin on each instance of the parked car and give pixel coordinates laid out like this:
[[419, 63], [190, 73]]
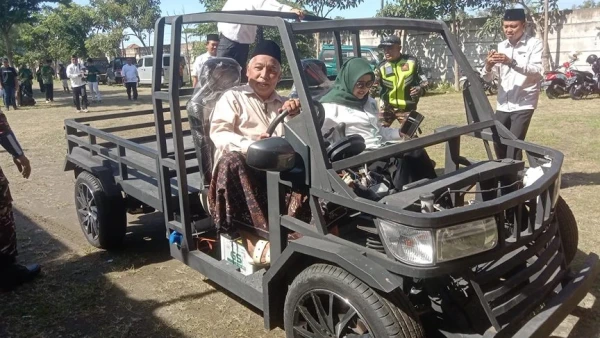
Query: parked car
[[113, 73], [145, 67], [327, 55]]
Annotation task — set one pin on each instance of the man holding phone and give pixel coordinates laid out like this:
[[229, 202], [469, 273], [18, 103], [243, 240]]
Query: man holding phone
[[518, 65]]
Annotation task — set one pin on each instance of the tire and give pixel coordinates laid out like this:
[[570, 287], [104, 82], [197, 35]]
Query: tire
[[569, 233], [103, 218], [551, 93], [389, 316], [576, 92]]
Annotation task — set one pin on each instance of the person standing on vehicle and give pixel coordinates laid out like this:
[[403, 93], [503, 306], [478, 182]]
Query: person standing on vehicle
[[130, 79], [398, 81], [48, 80], [75, 73], [92, 80], [9, 83], [11, 273], [62, 75], [212, 43], [518, 65], [235, 39]]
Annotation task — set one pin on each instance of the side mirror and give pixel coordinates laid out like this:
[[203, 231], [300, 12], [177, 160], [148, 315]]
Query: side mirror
[[271, 154]]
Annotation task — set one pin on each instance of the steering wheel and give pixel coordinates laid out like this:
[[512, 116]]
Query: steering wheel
[[285, 113]]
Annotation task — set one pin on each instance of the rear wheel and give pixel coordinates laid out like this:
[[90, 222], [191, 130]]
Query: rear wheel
[[103, 218], [551, 93], [569, 234], [327, 301], [576, 92]]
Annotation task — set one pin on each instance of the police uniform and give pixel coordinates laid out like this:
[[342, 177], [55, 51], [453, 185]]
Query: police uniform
[[394, 80]]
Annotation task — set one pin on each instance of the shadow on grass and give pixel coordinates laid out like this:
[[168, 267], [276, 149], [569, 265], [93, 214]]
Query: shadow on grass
[[569, 180], [587, 324], [74, 297]]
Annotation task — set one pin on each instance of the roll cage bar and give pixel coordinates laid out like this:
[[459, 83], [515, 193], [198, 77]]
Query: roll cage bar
[[305, 131]]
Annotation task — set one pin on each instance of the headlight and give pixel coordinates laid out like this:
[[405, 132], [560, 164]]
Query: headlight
[[466, 239], [417, 247], [408, 244]]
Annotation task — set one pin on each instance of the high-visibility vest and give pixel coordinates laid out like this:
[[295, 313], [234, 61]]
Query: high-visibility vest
[[397, 78]]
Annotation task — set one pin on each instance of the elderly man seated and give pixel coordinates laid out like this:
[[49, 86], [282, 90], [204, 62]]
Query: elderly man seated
[[237, 194]]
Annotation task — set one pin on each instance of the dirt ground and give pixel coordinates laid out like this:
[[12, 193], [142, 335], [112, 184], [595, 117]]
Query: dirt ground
[[140, 291]]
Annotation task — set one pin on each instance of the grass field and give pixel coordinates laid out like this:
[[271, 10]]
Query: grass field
[[141, 292]]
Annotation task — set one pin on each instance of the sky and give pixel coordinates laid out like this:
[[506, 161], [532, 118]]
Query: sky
[[367, 9]]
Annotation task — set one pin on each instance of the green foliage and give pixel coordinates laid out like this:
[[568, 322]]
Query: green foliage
[[588, 4], [58, 33], [323, 8]]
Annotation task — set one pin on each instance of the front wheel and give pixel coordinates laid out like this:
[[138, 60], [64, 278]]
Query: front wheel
[[103, 218], [327, 301], [567, 225]]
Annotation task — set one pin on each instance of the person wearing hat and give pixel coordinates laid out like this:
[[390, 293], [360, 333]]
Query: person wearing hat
[[12, 274], [398, 81], [518, 65], [235, 39], [212, 43], [240, 117]]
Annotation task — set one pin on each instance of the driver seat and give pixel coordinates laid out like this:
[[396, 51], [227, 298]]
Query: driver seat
[[217, 75]]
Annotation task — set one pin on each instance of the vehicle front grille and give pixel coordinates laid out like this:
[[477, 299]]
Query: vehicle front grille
[[512, 287]]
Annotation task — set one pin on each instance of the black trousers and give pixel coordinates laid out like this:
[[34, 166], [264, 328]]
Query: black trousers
[[80, 97], [518, 124], [49, 90], [235, 50], [131, 86]]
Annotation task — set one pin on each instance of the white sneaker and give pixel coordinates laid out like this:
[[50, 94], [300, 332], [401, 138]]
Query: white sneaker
[[77, 111], [85, 110]]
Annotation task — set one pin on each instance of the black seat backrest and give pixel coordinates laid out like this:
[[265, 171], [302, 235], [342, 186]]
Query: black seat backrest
[[315, 73], [217, 75]]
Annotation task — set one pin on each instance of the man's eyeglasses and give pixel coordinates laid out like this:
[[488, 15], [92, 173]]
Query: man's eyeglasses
[[362, 84]]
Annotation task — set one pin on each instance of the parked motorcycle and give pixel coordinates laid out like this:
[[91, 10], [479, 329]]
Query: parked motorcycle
[[586, 83], [556, 82], [489, 87]]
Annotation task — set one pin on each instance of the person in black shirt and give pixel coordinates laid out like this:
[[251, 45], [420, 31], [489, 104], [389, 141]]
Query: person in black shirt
[[9, 83], [62, 74]]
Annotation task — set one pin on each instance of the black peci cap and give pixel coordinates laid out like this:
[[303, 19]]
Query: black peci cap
[[515, 14], [389, 41], [212, 37], [268, 47]]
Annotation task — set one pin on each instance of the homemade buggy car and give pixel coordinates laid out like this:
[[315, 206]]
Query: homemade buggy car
[[424, 261]]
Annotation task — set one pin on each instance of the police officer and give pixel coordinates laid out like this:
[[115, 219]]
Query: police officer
[[398, 80], [11, 273]]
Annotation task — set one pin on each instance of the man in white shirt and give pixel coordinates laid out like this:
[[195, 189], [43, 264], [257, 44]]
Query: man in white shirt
[[130, 79], [75, 72], [518, 64], [236, 39], [212, 43]]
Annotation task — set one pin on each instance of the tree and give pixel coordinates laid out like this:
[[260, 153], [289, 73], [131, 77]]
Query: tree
[[57, 34], [452, 10], [15, 12], [588, 4]]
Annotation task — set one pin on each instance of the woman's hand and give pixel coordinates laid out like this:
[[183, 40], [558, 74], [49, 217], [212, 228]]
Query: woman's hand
[[292, 106]]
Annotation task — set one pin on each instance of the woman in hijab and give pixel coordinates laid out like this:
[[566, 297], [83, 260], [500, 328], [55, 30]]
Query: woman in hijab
[[349, 102]]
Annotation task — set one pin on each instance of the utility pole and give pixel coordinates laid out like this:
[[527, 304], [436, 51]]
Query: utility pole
[[382, 3], [546, 53]]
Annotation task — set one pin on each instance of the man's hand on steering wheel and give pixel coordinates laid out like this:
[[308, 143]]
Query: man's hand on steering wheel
[[292, 106]]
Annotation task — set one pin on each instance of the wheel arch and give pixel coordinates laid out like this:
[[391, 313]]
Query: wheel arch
[[306, 251], [80, 160]]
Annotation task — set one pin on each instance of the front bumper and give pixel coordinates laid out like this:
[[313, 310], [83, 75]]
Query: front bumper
[[557, 307]]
